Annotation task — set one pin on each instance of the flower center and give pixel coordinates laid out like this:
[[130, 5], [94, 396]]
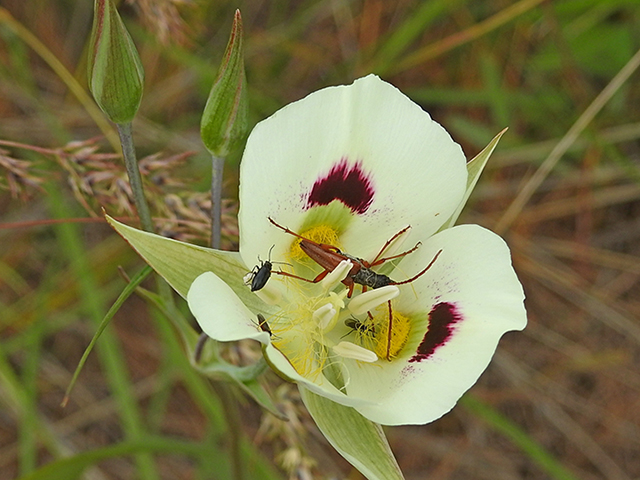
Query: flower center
[[319, 234], [309, 319]]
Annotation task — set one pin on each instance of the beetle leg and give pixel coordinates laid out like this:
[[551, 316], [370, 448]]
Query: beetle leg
[[389, 331], [350, 285], [421, 272], [285, 229], [386, 245], [320, 276], [380, 261]]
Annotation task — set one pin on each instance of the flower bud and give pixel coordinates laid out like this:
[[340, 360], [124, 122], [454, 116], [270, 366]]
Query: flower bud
[[116, 76], [224, 120]]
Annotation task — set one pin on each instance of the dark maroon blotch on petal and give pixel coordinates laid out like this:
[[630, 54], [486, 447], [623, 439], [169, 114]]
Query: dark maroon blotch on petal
[[442, 319], [347, 183]]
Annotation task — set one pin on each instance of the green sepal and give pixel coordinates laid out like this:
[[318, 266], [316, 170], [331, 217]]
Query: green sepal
[[245, 378], [181, 263], [225, 119], [475, 166], [116, 76], [360, 441]]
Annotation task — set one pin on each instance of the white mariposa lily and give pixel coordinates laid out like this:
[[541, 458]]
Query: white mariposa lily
[[351, 167]]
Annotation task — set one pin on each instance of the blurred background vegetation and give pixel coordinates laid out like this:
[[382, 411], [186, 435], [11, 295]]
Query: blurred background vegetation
[[560, 400]]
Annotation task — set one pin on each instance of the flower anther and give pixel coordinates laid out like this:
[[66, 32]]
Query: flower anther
[[355, 352], [372, 299]]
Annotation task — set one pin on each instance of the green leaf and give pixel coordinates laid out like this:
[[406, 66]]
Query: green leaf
[[360, 441], [129, 289], [116, 76], [72, 467], [181, 263], [245, 378], [225, 118], [475, 166]]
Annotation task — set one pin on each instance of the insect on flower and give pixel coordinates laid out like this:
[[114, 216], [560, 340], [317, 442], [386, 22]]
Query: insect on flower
[[329, 257], [264, 326], [260, 274], [360, 327], [384, 160]]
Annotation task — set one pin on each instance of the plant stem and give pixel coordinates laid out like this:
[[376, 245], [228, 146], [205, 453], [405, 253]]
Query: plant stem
[[217, 165], [135, 179], [232, 414], [223, 390]]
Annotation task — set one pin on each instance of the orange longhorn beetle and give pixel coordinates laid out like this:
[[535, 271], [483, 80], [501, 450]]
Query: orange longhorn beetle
[[329, 257]]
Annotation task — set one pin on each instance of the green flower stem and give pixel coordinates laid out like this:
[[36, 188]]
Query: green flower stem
[[135, 179], [222, 389], [217, 166], [232, 415]]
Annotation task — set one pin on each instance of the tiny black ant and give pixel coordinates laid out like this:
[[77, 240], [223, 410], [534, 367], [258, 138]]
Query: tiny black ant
[[359, 327], [264, 326]]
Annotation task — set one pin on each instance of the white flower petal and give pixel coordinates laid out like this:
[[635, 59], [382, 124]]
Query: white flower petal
[[219, 311], [474, 297], [269, 294], [409, 162], [224, 317], [318, 384], [474, 268]]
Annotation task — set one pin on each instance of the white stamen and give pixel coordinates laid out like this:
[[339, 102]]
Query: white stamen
[[247, 278], [324, 315], [369, 300], [356, 352], [337, 299], [336, 275]]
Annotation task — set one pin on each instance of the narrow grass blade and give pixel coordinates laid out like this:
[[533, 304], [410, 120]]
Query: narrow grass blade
[[519, 437], [128, 290], [72, 467]]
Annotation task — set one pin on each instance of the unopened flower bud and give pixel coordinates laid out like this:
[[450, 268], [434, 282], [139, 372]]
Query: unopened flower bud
[[116, 76], [224, 120]]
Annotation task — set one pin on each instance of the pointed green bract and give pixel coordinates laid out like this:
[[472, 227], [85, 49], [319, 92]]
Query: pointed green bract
[[225, 118], [360, 441], [181, 263], [116, 76], [475, 166]]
